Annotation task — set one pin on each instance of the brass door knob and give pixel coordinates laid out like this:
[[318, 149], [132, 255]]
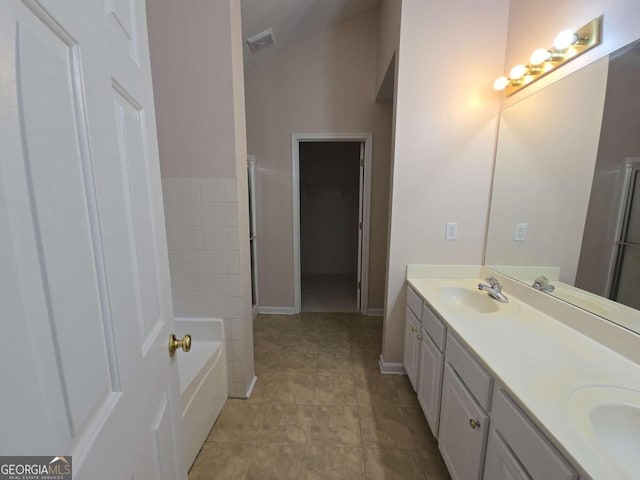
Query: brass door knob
[[413, 329], [474, 423], [175, 344]]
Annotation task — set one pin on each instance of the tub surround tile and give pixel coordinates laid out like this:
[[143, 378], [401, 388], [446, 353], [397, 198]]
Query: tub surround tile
[[202, 236], [237, 307], [190, 238], [234, 262], [212, 189], [216, 262], [189, 214], [230, 190], [187, 189], [233, 239], [215, 238]]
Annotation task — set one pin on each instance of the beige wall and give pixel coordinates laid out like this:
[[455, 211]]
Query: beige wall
[[388, 36], [445, 130], [535, 24], [191, 41], [324, 84], [196, 62], [547, 150]]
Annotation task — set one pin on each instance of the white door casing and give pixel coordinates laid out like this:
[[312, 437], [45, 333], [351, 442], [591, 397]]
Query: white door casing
[[84, 285], [364, 209], [360, 227]]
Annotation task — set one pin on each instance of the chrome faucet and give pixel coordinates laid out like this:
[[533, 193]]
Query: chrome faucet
[[542, 283], [494, 289]]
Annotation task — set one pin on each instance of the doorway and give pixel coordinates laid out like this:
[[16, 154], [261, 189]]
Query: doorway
[[331, 178]]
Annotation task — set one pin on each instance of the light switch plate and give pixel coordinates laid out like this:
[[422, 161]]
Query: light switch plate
[[451, 232], [520, 233]]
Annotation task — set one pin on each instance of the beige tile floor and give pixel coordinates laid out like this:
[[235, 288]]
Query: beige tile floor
[[321, 410], [328, 292]]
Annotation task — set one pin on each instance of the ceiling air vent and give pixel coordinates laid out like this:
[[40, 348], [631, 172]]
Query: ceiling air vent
[[261, 40]]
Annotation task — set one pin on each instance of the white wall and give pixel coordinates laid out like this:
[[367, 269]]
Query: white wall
[[547, 150], [445, 130], [196, 61], [324, 84]]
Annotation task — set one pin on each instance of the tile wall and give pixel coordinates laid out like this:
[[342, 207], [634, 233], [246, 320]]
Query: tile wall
[[201, 216]]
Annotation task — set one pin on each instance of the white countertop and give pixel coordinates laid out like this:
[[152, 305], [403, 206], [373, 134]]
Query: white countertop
[[541, 361]]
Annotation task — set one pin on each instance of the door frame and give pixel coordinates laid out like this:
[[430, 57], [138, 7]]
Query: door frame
[[296, 139]]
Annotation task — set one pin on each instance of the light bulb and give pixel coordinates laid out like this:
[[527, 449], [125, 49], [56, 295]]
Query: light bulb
[[518, 72], [501, 83], [539, 56], [565, 39]]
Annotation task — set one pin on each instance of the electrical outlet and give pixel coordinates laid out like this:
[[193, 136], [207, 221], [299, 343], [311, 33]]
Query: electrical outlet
[[520, 234], [451, 232]]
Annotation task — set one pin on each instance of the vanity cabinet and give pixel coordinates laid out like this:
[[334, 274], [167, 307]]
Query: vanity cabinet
[[482, 433], [412, 337]]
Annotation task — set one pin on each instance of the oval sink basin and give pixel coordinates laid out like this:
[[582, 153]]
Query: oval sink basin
[[610, 419], [585, 301], [471, 300]]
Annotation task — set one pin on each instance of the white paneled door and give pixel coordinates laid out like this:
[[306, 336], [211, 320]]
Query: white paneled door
[[85, 301]]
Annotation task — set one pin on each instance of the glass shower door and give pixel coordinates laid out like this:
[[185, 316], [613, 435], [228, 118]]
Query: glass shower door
[[626, 279]]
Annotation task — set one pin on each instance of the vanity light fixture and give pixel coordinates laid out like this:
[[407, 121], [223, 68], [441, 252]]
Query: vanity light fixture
[[567, 45]]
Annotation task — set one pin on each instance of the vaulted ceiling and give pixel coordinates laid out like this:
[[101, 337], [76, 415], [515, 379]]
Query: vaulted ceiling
[[294, 20]]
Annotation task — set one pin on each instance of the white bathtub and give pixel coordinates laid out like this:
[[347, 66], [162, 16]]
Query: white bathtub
[[203, 379]]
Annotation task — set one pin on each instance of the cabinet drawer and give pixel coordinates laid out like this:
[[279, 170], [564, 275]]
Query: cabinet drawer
[[536, 454], [474, 376], [434, 327], [414, 302]]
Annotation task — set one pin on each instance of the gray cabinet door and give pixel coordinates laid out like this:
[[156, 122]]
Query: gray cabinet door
[[463, 429], [411, 348], [430, 381], [500, 462]]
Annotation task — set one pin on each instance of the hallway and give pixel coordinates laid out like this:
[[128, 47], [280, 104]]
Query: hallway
[[321, 409]]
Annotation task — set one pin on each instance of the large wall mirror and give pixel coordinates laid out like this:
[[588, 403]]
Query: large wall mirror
[[565, 207]]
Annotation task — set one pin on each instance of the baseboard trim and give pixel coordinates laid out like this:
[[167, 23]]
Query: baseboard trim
[[277, 310], [375, 312], [388, 368], [251, 386]]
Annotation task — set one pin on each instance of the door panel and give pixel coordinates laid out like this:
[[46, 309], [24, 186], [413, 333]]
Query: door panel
[[135, 172], [83, 264], [62, 217]]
